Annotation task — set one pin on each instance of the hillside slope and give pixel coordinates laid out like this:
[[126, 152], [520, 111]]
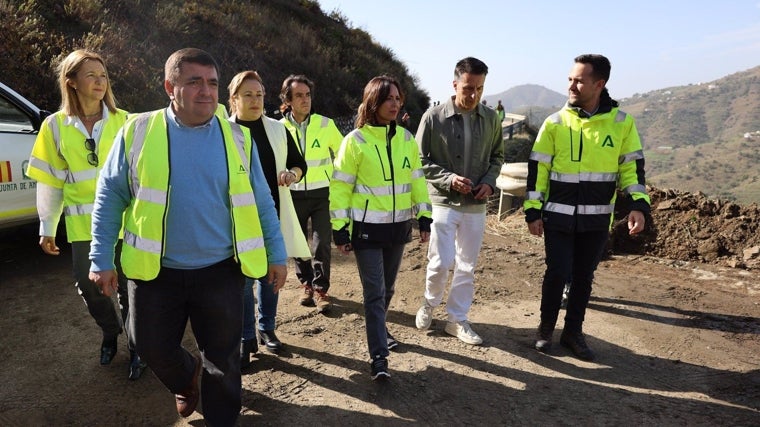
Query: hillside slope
[[275, 37], [697, 138], [693, 136]]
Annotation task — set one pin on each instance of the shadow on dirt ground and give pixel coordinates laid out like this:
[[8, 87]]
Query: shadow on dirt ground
[[677, 344]]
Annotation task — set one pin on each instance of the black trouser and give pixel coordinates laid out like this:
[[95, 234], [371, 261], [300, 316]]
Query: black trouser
[[573, 255], [101, 307], [212, 299], [315, 272]]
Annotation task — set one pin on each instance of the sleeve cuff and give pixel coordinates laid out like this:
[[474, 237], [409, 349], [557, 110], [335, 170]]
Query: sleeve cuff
[[532, 214]]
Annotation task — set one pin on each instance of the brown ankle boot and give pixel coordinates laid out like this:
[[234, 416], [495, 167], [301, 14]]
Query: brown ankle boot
[[307, 297], [322, 301]]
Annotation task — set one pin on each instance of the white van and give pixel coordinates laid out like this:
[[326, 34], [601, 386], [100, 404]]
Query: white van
[[20, 122]]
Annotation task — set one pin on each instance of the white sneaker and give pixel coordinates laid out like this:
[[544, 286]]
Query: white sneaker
[[463, 331], [424, 317]]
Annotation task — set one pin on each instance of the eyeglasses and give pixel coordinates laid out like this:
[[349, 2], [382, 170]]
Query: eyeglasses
[[92, 157]]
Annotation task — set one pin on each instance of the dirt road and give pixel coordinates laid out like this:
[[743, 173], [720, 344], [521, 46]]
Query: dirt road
[[677, 343]]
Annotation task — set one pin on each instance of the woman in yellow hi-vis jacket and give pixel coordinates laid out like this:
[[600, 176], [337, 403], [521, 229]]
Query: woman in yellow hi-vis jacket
[[378, 189], [66, 161]]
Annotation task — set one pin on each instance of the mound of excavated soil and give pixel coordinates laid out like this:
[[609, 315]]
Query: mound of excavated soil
[[692, 227]]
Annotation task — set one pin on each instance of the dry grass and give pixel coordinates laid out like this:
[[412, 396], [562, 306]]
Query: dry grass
[[512, 227]]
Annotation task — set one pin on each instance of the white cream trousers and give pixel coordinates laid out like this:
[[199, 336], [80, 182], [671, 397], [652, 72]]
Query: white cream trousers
[[455, 241]]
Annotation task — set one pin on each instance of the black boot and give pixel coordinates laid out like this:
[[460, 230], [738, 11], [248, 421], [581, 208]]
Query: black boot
[[544, 337], [247, 348], [107, 350], [136, 366], [574, 340], [270, 341]]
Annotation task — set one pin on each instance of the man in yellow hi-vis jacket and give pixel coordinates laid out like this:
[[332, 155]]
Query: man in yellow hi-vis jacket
[[318, 139], [582, 154]]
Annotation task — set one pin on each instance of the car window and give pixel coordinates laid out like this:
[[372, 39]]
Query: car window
[[12, 119]]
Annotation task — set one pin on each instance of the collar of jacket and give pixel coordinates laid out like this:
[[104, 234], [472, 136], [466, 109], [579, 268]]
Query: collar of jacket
[[381, 131], [606, 104], [450, 110]]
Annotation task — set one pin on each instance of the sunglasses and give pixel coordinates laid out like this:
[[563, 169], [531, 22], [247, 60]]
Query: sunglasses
[[92, 157]]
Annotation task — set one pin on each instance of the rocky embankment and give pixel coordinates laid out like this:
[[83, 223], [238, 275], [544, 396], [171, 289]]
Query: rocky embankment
[[692, 227]]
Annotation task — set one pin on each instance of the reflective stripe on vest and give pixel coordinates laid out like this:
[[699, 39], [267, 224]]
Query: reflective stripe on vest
[[541, 157], [387, 190], [380, 217], [575, 178], [534, 195], [564, 209]]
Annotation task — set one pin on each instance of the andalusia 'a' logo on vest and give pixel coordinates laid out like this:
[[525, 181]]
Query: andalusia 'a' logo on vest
[[608, 142], [407, 164], [315, 144]]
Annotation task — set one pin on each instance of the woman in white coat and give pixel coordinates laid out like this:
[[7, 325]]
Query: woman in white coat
[[283, 165]]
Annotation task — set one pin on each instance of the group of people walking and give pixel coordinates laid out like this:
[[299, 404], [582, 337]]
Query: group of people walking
[[184, 210]]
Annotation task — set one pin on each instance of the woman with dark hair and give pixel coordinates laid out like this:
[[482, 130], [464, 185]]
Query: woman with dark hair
[[377, 191]]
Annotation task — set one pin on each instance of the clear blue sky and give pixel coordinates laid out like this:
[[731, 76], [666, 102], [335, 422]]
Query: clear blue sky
[[651, 44]]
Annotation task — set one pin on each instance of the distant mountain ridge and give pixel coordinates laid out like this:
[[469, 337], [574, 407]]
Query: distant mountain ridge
[[527, 95]]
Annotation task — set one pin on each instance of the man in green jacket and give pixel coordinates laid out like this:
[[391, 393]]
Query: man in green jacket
[[462, 151]]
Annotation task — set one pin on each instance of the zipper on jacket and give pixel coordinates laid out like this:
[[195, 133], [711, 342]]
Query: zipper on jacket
[[389, 136]]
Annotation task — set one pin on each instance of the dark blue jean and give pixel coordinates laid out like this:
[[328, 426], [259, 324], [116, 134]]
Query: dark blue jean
[[212, 299], [377, 270], [267, 307]]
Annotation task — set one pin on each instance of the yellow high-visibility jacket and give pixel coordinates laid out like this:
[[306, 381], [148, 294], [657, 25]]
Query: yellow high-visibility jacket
[[576, 165], [378, 185]]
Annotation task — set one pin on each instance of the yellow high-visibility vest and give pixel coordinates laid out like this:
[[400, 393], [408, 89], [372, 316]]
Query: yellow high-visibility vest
[[60, 159], [146, 147]]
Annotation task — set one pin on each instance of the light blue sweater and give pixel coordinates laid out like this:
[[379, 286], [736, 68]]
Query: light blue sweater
[[198, 223]]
